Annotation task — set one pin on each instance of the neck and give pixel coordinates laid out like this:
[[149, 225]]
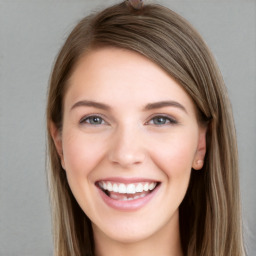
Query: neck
[[165, 241]]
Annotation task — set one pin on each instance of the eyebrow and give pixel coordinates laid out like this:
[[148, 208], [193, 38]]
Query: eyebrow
[[163, 104], [89, 103], [150, 106]]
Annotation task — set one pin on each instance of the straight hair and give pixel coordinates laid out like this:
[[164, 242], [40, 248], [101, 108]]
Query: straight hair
[[210, 218]]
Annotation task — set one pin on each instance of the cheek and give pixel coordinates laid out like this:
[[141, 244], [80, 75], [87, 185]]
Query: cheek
[[81, 153], [175, 155]]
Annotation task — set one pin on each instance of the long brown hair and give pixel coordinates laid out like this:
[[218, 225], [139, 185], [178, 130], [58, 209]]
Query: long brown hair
[[210, 220]]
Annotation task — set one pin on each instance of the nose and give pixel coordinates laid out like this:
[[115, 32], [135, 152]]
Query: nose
[[127, 148]]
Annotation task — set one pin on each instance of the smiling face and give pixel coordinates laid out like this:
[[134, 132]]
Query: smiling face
[[129, 139]]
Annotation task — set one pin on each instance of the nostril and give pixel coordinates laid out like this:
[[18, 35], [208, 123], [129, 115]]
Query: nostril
[[127, 146], [127, 159]]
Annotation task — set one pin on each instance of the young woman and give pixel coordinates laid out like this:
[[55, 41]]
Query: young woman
[[141, 140]]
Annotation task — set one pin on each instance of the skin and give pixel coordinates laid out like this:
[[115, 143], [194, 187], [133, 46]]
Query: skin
[[128, 141]]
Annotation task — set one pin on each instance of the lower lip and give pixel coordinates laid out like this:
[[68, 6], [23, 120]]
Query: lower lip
[[130, 205]]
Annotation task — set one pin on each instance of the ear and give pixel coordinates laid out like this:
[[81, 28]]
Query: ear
[[56, 136], [198, 162]]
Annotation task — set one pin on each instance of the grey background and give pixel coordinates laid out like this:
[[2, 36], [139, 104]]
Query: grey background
[[31, 33]]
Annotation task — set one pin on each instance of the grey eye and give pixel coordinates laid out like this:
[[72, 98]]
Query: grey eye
[[94, 120], [160, 120]]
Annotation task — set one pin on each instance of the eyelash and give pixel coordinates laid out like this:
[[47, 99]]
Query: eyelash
[[167, 120], [91, 117]]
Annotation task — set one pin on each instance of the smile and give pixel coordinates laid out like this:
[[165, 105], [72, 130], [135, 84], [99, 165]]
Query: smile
[[127, 196], [124, 192]]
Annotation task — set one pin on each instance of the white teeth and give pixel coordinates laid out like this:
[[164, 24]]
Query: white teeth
[[131, 188], [109, 186], [115, 187], [126, 198], [122, 189], [152, 186], [146, 187], [104, 185], [139, 188]]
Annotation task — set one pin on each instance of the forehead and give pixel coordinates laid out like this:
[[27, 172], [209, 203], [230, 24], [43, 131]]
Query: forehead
[[119, 76]]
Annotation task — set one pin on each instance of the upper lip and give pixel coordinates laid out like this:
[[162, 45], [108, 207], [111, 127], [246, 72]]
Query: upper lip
[[126, 180]]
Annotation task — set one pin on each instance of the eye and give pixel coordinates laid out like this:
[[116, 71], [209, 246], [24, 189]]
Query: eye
[[162, 120], [93, 120]]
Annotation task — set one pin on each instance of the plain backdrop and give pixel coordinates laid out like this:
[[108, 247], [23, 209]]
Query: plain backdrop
[[31, 33]]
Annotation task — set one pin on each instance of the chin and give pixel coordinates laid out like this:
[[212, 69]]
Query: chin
[[127, 234]]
